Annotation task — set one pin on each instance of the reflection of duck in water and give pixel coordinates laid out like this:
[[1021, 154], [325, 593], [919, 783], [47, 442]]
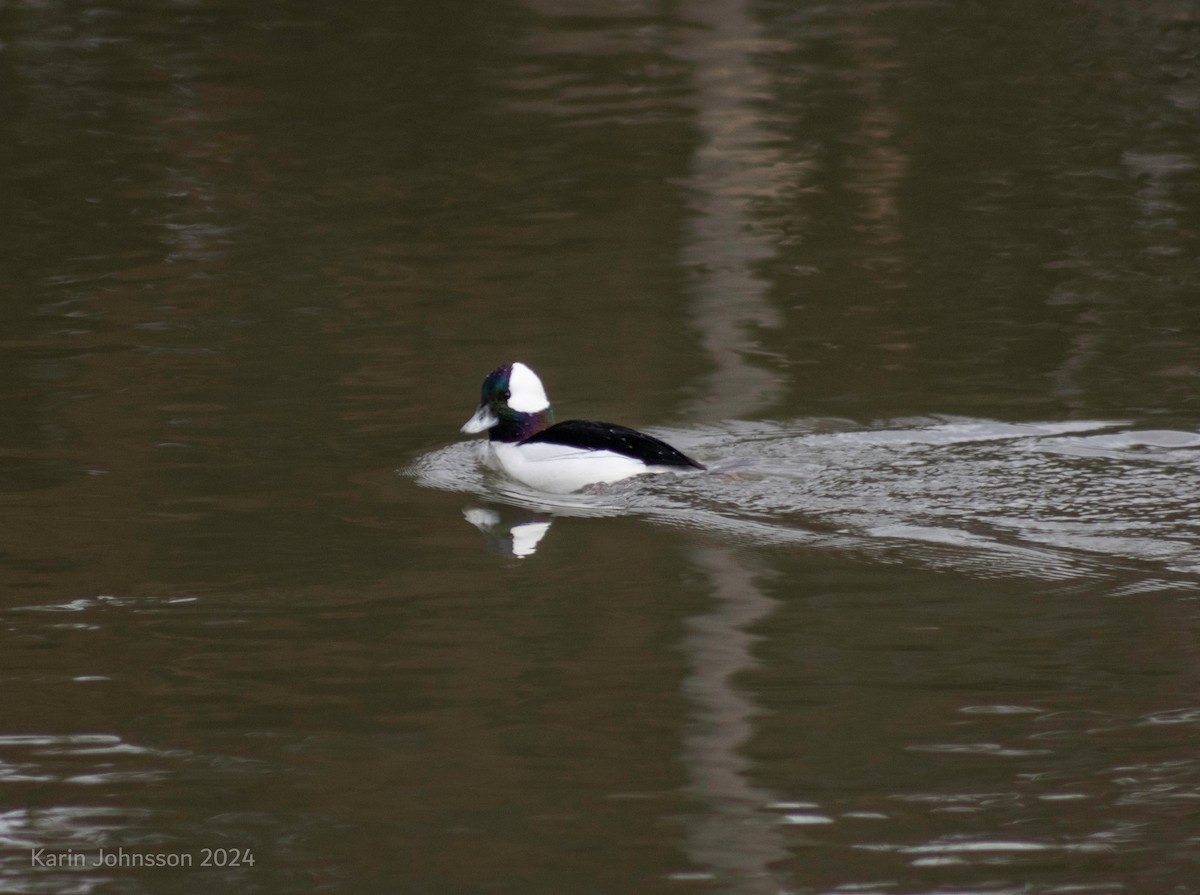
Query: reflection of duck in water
[[518, 539], [566, 456]]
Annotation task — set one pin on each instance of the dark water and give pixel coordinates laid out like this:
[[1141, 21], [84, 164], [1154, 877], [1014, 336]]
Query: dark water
[[921, 278]]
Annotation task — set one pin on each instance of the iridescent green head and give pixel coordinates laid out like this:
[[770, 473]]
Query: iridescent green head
[[512, 405]]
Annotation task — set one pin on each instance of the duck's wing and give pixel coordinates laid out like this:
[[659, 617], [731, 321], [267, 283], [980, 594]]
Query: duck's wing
[[590, 435]]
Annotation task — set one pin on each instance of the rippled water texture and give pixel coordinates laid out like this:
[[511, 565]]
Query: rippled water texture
[[1055, 501]]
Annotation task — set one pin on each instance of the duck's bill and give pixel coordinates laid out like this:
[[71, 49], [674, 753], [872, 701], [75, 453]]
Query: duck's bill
[[483, 420]]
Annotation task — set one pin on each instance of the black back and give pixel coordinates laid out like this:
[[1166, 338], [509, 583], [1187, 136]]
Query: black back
[[597, 436]]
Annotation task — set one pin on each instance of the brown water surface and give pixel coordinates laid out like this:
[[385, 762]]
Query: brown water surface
[[924, 275]]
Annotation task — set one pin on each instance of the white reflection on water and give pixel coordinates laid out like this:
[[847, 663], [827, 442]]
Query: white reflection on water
[[519, 539], [86, 758], [1059, 501]]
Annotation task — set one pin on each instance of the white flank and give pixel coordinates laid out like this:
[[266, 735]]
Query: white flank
[[561, 469]]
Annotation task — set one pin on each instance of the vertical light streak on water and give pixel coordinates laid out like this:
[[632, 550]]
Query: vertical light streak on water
[[733, 165], [876, 161], [732, 840], [736, 164]]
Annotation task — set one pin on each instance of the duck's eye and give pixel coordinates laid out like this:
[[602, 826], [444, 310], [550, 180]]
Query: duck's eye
[[507, 394]]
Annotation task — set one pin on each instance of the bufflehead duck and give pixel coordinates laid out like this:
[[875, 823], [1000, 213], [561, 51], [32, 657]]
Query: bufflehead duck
[[564, 456]]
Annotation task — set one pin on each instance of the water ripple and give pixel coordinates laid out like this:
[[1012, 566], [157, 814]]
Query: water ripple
[[1059, 501]]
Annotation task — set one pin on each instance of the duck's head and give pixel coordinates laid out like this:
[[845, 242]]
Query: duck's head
[[512, 405]]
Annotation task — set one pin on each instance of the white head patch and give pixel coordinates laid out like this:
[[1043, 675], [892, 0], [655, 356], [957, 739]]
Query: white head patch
[[526, 394]]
